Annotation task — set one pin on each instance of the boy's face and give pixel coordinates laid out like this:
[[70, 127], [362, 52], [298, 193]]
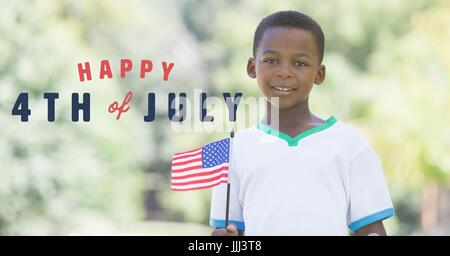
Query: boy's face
[[286, 65]]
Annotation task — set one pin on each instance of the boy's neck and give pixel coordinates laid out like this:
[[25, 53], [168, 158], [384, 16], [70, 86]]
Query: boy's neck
[[295, 118]]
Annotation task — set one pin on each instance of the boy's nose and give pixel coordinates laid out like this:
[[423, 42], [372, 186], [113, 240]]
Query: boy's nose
[[284, 71]]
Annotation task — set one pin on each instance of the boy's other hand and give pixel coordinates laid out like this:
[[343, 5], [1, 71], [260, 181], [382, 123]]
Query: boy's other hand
[[374, 229], [231, 230]]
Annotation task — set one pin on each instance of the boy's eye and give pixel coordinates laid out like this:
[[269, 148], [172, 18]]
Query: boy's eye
[[300, 64], [270, 61]]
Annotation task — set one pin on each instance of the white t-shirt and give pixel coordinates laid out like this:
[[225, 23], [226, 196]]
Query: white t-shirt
[[325, 181]]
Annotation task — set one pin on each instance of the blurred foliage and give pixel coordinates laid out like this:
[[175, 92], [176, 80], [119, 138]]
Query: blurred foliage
[[388, 67]]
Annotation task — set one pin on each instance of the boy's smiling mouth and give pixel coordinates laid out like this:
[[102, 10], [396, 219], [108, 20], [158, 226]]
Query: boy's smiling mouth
[[282, 90]]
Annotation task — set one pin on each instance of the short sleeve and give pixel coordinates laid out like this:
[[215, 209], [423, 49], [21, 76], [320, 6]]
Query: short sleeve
[[369, 196], [218, 204]]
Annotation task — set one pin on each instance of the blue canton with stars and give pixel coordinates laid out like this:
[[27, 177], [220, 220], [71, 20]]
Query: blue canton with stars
[[215, 153]]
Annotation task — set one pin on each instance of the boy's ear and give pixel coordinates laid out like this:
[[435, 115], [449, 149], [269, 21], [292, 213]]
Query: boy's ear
[[251, 67], [320, 75]]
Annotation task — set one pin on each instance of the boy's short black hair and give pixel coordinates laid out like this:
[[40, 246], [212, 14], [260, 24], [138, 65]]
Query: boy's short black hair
[[290, 19]]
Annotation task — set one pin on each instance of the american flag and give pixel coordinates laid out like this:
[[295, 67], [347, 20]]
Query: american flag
[[200, 168]]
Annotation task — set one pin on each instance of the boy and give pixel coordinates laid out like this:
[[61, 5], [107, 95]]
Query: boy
[[314, 176]]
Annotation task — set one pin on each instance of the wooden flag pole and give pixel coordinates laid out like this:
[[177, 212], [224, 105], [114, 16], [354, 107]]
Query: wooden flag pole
[[227, 208]]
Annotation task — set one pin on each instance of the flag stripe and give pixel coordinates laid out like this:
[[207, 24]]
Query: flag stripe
[[187, 162], [215, 173], [187, 167], [198, 186], [182, 159], [196, 174], [202, 181], [187, 155], [199, 169]]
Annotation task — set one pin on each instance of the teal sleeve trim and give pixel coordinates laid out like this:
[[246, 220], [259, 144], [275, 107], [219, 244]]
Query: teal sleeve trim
[[381, 215], [221, 223]]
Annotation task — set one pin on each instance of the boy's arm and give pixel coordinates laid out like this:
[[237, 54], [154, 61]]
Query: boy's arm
[[376, 228]]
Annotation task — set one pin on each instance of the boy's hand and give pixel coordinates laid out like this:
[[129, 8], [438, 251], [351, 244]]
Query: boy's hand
[[231, 230], [374, 229]]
